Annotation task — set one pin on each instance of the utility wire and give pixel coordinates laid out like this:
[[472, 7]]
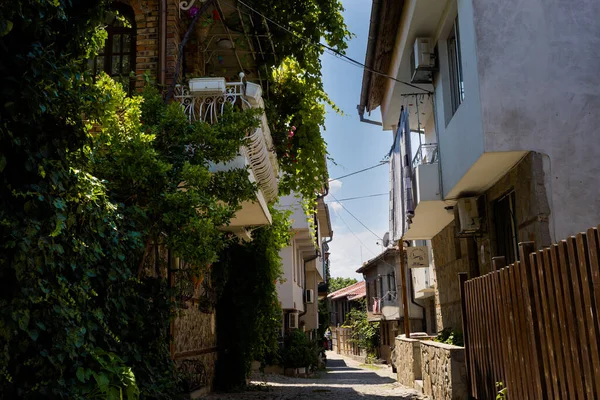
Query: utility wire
[[352, 232], [363, 197], [362, 170], [331, 49], [353, 216]]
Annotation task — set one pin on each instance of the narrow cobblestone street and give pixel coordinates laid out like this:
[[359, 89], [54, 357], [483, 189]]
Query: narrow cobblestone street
[[344, 379]]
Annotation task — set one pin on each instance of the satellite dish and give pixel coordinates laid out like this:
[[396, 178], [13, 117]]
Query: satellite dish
[[386, 239]]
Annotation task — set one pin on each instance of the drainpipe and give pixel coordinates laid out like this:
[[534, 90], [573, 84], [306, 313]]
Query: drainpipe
[[162, 47], [412, 300], [304, 271], [304, 281]]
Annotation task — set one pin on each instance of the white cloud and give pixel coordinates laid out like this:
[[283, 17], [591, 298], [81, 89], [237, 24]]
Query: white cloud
[[335, 186], [336, 206], [348, 254]]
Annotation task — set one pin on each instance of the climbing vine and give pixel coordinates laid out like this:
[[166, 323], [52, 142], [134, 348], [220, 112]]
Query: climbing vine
[[89, 180]]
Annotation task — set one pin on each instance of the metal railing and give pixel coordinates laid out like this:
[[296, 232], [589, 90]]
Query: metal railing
[[427, 153], [209, 107]]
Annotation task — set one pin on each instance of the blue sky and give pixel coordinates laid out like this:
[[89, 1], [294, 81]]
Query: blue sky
[[354, 145]]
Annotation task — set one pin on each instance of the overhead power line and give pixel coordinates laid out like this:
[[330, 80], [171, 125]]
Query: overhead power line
[[331, 49], [353, 216], [352, 232], [358, 172], [363, 197]]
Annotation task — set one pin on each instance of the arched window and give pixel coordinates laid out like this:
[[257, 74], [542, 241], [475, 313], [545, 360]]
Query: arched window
[[117, 58]]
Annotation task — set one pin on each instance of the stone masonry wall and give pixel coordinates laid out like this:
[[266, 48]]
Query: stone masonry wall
[[444, 371], [450, 254], [408, 361], [532, 209]]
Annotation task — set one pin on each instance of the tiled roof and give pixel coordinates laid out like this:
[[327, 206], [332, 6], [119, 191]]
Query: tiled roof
[[353, 292]]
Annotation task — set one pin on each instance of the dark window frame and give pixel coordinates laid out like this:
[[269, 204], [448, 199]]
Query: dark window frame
[[506, 228], [455, 70], [108, 53]]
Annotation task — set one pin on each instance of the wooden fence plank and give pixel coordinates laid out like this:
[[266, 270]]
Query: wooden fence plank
[[482, 387], [510, 359], [544, 333], [545, 265], [559, 252], [532, 314], [570, 255], [488, 334], [472, 336], [462, 279], [495, 310], [589, 305], [521, 333], [499, 308]]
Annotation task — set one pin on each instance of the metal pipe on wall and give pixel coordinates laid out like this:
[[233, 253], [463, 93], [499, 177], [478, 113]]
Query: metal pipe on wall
[[162, 47]]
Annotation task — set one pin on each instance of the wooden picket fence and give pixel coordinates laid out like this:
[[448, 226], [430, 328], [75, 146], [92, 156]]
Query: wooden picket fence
[[535, 325], [342, 343]]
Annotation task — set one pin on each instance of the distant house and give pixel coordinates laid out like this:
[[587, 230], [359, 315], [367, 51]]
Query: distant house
[[344, 300], [384, 305], [304, 265]]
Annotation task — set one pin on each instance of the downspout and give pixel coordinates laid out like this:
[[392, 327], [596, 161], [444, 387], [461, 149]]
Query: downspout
[[162, 46], [312, 258]]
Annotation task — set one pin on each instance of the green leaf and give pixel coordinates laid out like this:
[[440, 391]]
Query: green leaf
[[33, 334], [80, 374]]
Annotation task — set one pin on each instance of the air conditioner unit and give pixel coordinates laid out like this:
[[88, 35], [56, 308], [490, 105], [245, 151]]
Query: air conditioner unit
[[422, 61], [293, 320], [468, 215], [310, 296]]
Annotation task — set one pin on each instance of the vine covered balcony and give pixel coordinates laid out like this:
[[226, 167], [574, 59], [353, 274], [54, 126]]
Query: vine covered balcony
[[204, 99]]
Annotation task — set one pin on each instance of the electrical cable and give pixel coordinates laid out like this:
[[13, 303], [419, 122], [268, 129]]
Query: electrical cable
[[363, 197], [362, 170], [352, 232], [353, 216], [331, 49]]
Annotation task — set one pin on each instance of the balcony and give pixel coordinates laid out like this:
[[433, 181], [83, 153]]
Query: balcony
[[204, 99], [430, 215]]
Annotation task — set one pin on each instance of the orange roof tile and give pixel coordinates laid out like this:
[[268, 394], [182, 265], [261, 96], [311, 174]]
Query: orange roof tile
[[353, 292]]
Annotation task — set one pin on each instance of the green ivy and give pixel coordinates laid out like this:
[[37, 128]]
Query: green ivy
[[365, 334]]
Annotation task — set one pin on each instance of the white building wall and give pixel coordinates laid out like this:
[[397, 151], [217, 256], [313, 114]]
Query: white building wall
[[460, 135], [311, 318], [540, 91]]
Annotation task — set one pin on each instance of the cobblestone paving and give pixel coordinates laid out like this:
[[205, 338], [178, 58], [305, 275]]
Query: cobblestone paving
[[345, 379]]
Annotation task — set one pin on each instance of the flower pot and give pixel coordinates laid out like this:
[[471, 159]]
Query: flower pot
[[253, 93], [207, 85]]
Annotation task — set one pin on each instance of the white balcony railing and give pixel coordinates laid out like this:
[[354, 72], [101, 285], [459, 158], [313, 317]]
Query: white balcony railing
[[427, 153], [205, 99]]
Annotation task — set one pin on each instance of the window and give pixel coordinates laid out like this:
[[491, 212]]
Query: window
[[392, 282], [117, 58], [506, 227], [457, 87]]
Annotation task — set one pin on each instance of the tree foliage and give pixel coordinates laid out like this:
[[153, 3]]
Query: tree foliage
[[297, 99], [91, 178], [337, 283], [365, 334], [79, 209]]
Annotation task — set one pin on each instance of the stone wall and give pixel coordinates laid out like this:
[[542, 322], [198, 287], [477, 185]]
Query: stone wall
[[408, 360], [531, 213], [451, 257], [444, 371]]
